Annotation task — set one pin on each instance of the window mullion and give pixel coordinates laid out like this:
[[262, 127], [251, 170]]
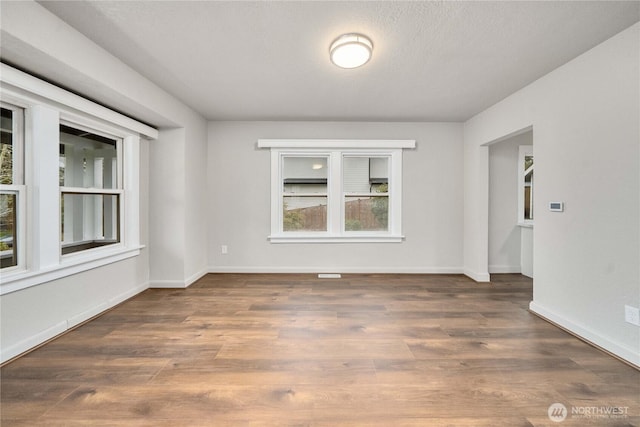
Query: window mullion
[[129, 208], [43, 126], [335, 202]]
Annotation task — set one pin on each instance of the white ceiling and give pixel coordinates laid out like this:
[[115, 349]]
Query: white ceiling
[[269, 60]]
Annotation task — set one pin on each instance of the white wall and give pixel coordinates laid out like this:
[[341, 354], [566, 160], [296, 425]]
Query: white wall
[[504, 232], [585, 118], [167, 241], [36, 41], [239, 186], [178, 198], [196, 194]]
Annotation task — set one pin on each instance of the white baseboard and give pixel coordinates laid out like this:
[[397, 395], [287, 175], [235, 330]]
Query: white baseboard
[[86, 315], [32, 341], [178, 284], [623, 352], [341, 270], [478, 277], [504, 269], [167, 284], [63, 326]]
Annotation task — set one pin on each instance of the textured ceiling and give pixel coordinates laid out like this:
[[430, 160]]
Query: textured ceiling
[[268, 60]]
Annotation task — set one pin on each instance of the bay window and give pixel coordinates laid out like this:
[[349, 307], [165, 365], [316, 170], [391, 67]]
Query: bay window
[[69, 183]]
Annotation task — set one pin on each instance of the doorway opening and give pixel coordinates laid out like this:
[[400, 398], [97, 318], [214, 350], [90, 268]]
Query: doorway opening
[[511, 195]]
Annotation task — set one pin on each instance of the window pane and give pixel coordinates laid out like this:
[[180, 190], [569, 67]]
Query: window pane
[[528, 162], [365, 174], [6, 147], [8, 228], [89, 221], [87, 160], [301, 213], [366, 185], [305, 175], [366, 213]]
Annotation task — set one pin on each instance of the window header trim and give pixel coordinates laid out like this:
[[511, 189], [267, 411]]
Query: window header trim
[[27, 86], [337, 143]]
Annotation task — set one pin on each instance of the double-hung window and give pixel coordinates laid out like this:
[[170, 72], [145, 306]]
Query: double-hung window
[[90, 189], [336, 190]]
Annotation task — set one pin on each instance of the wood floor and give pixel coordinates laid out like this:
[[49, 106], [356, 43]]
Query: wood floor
[[294, 350]]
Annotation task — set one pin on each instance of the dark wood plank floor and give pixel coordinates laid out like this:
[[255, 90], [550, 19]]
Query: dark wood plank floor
[[294, 350]]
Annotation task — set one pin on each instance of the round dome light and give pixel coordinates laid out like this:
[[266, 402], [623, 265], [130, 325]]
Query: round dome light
[[351, 50]]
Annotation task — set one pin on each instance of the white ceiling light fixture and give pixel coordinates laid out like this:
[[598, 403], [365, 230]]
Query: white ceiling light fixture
[[351, 50]]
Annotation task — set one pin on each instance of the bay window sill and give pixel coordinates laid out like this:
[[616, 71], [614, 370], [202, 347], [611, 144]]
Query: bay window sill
[[13, 281]]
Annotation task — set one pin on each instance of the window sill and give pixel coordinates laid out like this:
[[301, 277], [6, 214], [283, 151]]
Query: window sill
[[337, 239], [70, 264], [525, 224], [86, 245]]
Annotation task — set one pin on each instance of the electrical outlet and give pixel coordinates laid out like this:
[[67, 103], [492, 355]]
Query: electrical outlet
[[224, 249], [632, 315]]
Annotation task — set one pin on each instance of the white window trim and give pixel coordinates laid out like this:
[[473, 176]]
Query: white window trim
[[45, 107], [341, 144], [336, 150], [523, 151], [18, 188]]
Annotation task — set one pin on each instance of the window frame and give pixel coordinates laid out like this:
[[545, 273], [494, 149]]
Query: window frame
[[336, 151], [523, 152], [17, 186], [46, 107]]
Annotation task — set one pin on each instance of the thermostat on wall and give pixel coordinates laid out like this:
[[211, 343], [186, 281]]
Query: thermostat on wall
[[556, 206]]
